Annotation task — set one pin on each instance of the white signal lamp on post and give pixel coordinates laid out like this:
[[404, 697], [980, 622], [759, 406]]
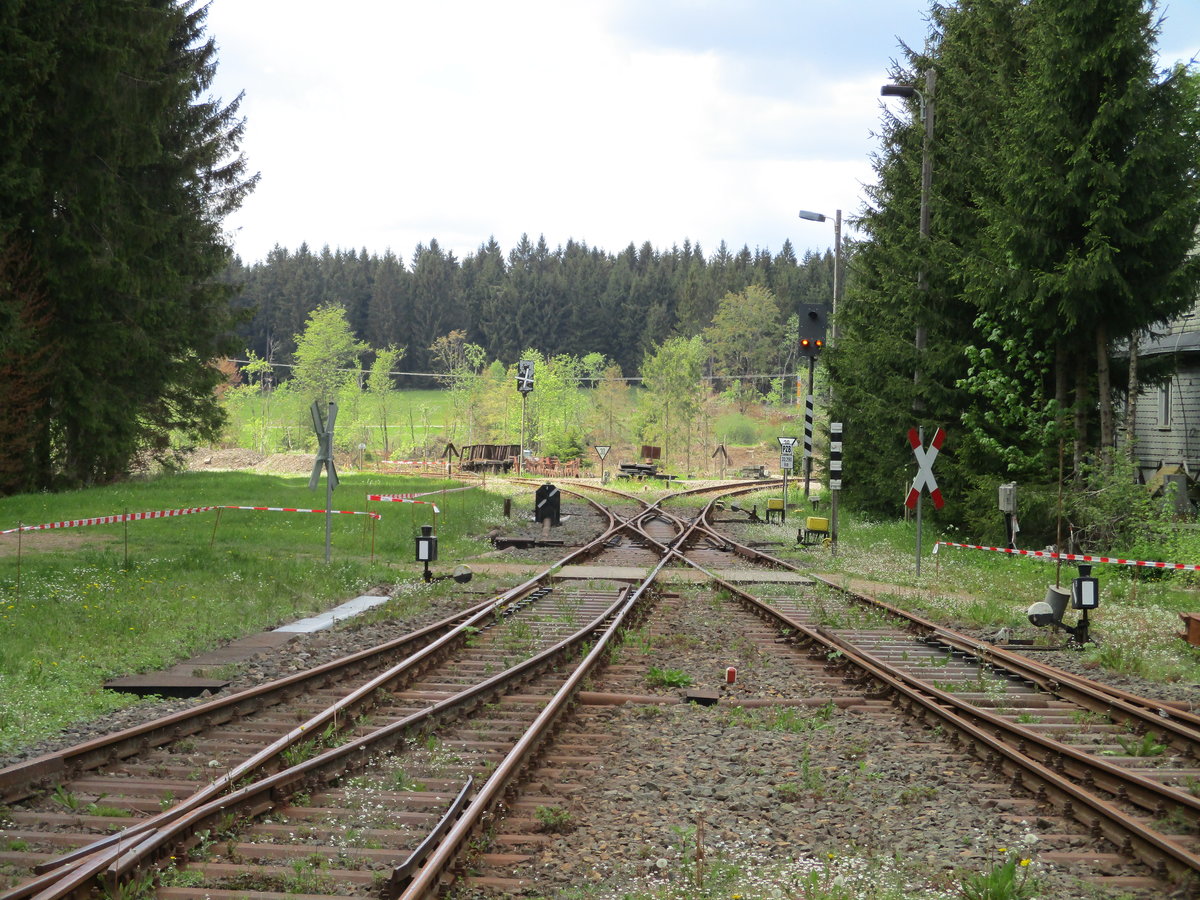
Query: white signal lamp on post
[[1085, 590], [427, 549]]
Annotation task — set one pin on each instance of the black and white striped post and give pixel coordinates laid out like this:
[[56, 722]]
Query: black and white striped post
[[835, 481], [808, 431]]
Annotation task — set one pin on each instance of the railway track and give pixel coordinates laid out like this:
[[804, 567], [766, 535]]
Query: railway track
[[385, 783]]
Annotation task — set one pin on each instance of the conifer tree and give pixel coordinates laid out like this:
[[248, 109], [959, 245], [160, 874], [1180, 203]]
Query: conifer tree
[[1064, 203], [114, 193]]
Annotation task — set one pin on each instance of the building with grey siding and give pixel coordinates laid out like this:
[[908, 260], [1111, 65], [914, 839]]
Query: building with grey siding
[[1167, 420]]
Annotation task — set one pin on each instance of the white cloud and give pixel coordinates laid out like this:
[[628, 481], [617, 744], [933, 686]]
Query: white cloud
[[378, 124]]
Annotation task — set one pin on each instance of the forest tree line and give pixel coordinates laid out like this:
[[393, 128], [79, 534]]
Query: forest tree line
[[573, 299]]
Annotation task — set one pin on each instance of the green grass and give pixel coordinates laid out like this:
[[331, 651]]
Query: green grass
[[784, 718], [1137, 623], [669, 678], [734, 872], [554, 819], [734, 428], [82, 605]]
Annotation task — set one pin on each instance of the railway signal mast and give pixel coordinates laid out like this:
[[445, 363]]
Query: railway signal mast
[[524, 385], [324, 460], [812, 341]]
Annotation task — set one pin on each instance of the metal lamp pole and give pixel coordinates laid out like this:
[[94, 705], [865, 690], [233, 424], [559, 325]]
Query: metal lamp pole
[[926, 101], [811, 216]]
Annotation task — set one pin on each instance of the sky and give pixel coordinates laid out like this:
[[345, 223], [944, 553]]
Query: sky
[[384, 124]]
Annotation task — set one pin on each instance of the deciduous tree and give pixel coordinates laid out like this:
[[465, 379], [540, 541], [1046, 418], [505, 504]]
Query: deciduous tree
[[327, 355]]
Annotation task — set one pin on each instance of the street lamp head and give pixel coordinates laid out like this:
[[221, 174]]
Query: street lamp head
[[812, 216], [897, 90]]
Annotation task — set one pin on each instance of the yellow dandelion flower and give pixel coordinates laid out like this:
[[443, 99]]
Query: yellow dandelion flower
[[1025, 862]]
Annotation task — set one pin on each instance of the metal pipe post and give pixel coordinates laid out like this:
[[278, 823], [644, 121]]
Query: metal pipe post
[[808, 456], [521, 449], [920, 493]]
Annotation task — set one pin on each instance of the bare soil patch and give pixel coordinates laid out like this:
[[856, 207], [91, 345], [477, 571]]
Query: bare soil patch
[[237, 459], [67, 541]]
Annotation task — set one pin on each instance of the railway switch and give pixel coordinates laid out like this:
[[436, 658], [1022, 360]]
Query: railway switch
[[1084, 595]]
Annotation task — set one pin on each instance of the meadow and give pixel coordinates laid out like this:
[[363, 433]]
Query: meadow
[[421, 422], [81, 605]]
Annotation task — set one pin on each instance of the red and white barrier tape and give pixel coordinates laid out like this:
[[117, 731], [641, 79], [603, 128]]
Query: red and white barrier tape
[[110, 520], [337, 512], [415, 462], [440, 491], [397, 498], [402, 498], [1074, 557]]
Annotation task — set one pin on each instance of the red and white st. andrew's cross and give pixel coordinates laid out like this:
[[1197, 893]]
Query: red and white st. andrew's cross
[[925, 457]]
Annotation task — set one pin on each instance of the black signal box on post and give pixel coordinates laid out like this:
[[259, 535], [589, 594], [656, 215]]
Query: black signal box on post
[[812, 328]]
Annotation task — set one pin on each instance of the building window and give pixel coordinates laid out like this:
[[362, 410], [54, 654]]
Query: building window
[[1164, 406]]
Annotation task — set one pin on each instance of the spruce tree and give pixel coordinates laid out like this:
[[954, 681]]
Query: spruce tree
[[1064, 203], [128, 171], [1099, 198]]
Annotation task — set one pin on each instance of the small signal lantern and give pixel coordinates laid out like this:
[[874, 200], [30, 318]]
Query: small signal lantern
[[1085, 590], [427, 549]]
